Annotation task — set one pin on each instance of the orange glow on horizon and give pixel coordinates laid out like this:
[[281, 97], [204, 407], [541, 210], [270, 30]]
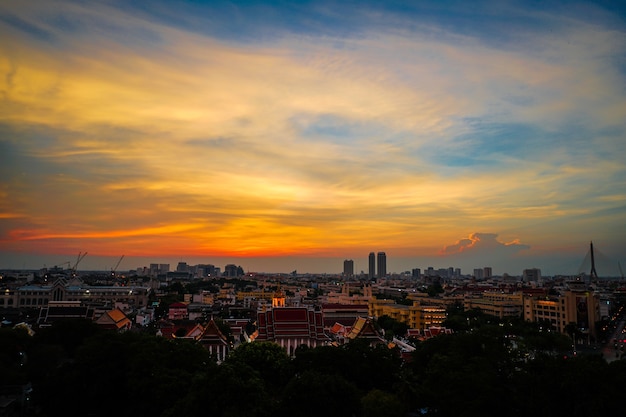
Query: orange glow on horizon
[[400, 136]]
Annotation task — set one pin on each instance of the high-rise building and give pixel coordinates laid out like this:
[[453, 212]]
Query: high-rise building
[[348, 268], [416, 273], [231, 270], [487, 272], [382, 265], [478, 273], [532, 274], [372, 265]]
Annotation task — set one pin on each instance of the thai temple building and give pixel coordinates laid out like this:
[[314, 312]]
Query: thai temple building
[[291, 327]]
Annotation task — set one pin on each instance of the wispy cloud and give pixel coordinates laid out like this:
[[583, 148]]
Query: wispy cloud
[[394, 126]]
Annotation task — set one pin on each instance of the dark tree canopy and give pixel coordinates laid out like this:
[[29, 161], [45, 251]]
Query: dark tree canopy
[[495, 368]]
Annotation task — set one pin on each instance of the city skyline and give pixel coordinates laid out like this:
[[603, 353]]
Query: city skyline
[[285, 137], [361, 266]]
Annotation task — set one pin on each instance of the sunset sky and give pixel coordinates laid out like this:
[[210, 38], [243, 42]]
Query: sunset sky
[[292, 135]]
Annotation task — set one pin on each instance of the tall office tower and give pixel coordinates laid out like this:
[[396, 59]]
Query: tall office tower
[[478, 273], [348, 268], [382, 265], [372, 265], [231, 270], [532, 274], [416, 273], [487, 272]]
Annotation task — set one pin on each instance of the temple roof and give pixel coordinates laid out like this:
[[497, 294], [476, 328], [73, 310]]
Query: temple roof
[[364, 328], [114, 319], [212, 334]]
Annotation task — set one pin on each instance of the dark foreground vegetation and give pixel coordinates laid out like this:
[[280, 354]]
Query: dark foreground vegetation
[[499, 369]]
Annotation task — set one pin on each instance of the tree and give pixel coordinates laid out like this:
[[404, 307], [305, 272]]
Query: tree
[[268, 359], [378, 403], [365, 366], [572, 330], [314, 394], [393, 326], [434, 289], [69, 334], [14, 345], [225, 329], [148, 373]]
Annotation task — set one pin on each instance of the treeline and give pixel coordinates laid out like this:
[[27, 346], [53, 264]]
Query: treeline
[[499, 369]]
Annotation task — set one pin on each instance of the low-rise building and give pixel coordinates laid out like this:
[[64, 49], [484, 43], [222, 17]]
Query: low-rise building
[[576, 306], [178, 311], [74, 289], [344, 314], [416, 316], [114, 320], [291, 327], [62, 310], [496, 303]]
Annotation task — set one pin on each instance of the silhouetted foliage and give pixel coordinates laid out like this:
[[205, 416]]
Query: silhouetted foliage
[[396, 327], [229, 390], [147, 374], [379, 403], [357, 362], [69, 334], [500, 367], [13, 357], [313, 394], [434, 289], [267, 359]]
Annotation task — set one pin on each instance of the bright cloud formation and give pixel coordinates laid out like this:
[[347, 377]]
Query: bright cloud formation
[[231, 130], [485, 242]]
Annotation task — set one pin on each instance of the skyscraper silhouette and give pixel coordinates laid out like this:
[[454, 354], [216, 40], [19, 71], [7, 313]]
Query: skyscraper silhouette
[[382, 265], [348, 268], [372, 265]]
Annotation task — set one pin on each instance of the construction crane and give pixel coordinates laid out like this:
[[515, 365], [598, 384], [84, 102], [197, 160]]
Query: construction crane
[[116, 265], [78, 259]]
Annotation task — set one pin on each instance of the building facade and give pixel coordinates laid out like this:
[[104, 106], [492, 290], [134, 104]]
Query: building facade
[[382, 264], [371, 264], [575, 305], [578, 307], [36, 296], [532, 274], [416, 316], [348, 268], [496, 304], [291, 327]]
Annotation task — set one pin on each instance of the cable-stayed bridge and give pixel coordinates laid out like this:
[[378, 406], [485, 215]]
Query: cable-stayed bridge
[[598, 265]]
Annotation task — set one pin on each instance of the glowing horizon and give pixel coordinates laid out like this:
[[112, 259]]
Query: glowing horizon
[[219, 129]]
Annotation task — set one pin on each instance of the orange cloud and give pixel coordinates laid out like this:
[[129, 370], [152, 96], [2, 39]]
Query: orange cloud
[[483, 243]]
